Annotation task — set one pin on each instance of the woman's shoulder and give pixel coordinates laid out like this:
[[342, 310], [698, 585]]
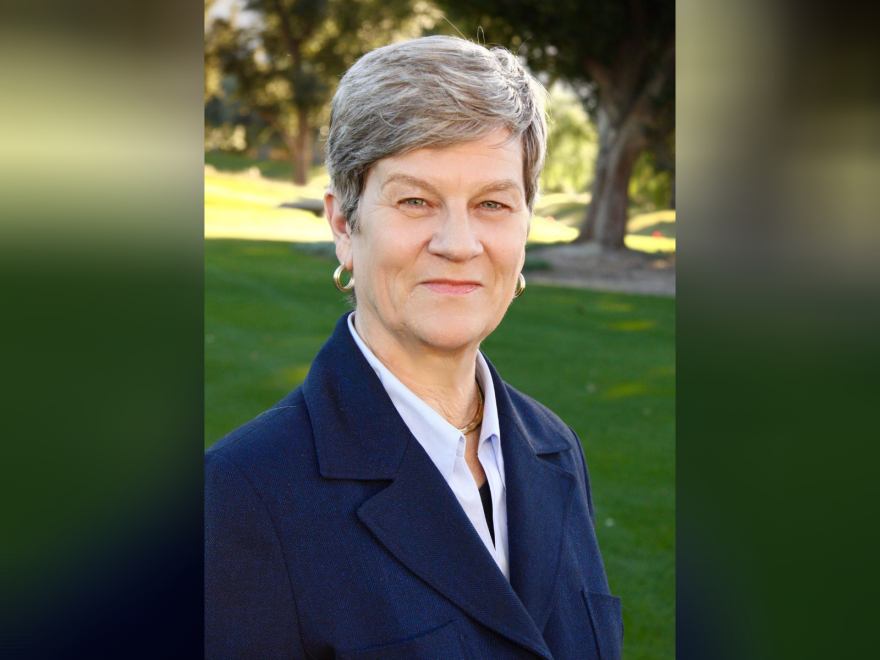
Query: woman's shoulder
[[535, 417], [265, 438], [539, 422]]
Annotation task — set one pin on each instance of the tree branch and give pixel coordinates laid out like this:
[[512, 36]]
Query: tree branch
[[600, 73], [651, 90]]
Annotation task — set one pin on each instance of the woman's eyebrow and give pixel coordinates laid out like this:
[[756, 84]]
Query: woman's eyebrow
[[499, 186], [398, 177], [495, 186]]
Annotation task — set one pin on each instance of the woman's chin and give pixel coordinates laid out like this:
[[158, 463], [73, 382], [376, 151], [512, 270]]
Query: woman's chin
[[452, 332]]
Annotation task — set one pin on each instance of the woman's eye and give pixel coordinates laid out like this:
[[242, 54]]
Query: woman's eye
[[414, 201], [492, 205]]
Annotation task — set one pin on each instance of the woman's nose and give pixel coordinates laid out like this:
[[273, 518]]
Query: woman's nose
[[456, 237]]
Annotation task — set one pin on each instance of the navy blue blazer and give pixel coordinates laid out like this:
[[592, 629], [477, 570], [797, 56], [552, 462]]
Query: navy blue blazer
[[329, 533]]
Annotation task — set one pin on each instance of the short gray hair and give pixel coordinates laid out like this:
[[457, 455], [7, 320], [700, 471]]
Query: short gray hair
[[436, 91]]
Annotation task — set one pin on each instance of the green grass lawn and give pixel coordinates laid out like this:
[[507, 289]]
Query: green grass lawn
[[605, 363]]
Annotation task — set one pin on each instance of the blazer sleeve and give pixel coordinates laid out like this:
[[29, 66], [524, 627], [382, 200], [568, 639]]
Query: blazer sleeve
[[249, 606], [586, 472]]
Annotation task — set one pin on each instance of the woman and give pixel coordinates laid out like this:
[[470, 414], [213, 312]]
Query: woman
[[404, 502]]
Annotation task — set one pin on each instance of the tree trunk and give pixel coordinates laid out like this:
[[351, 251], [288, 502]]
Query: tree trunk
[[588, 228], [299, 148], [627, 92], [291, 143], [619, 147], [302, 156], [299, 177]]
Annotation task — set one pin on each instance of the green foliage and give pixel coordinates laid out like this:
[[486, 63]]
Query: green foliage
[[572, 144], [564, 38], [604, 363], [291, 58], [649, 189]]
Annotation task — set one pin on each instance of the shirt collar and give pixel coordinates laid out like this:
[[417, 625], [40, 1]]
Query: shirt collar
[[437, 436], [490, 431]]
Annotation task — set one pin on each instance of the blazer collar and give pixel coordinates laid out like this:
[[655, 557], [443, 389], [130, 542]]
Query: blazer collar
[[350, 410], [539, 497], [358, 432], [542, 433]]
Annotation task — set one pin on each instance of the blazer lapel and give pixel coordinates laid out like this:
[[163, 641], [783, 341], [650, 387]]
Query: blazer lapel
[[539, 497], [419, 521], [359, 435]]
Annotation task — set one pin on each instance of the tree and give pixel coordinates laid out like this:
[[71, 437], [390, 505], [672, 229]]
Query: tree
[[572, 144], [620, 58], [212, 69], [286, 62]]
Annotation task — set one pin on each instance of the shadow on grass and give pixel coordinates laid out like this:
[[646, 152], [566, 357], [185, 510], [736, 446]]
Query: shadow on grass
[[269, 169]]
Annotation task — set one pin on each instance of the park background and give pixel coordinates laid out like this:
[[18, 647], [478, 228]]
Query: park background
[[593, 338]]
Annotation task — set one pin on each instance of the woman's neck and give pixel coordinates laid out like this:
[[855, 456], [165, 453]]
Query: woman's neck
[[444, 379]]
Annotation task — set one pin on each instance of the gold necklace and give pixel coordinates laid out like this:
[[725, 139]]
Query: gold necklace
[[478, 418]]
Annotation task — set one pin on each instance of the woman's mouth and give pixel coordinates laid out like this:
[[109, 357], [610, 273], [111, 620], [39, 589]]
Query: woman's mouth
[[451, 287]]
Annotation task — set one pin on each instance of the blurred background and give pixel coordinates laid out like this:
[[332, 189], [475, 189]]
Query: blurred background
[[594, 335]]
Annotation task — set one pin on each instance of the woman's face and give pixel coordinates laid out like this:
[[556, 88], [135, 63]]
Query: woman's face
[[440, 242]]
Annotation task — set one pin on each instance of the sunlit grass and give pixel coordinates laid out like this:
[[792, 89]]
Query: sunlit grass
[[239, 206], [658, 219], [545, 230], [649, 243]]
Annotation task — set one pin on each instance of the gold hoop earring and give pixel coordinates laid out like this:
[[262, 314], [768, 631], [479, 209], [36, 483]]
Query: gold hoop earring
[[337, 275], [520, 286]]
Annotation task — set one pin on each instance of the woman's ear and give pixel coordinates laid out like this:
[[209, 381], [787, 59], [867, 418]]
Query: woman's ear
[[340, 228]]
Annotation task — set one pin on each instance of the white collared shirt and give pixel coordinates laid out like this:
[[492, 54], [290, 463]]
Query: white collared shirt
[[445, 445]]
